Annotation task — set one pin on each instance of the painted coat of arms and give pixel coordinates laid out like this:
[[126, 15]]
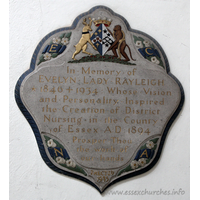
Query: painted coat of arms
[[100, 99]]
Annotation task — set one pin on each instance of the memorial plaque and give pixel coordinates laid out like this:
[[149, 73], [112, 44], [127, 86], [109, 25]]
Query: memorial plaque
[[100, 99]]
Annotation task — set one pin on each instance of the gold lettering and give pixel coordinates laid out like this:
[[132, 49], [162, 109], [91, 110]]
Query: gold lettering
[[107, 129], [84, 71], [53, 48], [41, 78], [57, 151], [70, 130], [144, 153]]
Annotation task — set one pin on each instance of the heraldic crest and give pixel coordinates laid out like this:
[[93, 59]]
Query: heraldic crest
[[103, 39]]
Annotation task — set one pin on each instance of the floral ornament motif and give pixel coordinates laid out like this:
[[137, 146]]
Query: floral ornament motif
[[143, 157], [47, 56], [55, 47], [65, 41], [139, 44], [70, 163], [146, 43], [60, 160], [56, 40], [51, 143], [150, 145], [155, 60], [142, 162], [134, 164], [148, 50], [60, 155]]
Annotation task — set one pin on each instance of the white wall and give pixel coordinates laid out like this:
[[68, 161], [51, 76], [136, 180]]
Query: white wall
[[165, 20]]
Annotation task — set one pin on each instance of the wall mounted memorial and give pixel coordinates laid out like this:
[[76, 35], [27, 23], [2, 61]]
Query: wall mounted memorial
[[100, 99]]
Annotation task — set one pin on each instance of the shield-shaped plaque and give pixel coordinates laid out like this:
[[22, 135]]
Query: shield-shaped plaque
[[100, 99]]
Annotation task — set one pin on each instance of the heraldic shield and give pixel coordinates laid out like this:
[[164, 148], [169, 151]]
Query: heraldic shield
[[100, 99]]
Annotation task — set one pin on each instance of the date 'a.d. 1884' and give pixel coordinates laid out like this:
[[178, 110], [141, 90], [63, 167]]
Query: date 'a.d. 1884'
[[100, 99]]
